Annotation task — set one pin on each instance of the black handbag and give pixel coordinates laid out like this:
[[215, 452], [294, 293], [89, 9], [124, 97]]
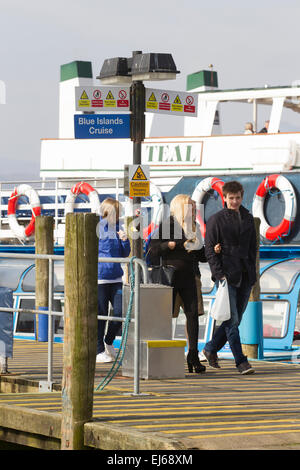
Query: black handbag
[[162, 274]]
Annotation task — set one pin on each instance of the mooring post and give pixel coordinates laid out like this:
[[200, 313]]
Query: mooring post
[[80, 327], [251, 327], [43, 246]]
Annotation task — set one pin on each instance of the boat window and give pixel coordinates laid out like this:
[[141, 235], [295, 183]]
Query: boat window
[[25, 321], [275, 318], [280, 277], [28, 284], [11, 271]]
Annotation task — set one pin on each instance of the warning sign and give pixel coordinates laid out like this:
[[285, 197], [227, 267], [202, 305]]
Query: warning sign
[[91, 98], [171, 102], [84, 99], [151, 103], [139, 175], [110, 101], [139, 180]]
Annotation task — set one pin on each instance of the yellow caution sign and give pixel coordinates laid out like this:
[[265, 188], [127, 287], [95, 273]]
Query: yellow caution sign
[[139, 181], [151, 102], [152, 97], [139, 175], [177, 106], [84, 100], [139, 188], [110, 101]]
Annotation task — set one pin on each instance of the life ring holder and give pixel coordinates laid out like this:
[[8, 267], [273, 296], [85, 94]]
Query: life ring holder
[[21, 231], [283, 229], [82, 188], [199, 193]]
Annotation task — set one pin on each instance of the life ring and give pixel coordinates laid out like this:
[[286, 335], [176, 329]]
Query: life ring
[[283, 184], [198, 195], [158, 210], [82, 188], [23, 190]]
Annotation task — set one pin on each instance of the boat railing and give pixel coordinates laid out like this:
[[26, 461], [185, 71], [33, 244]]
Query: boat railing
[[52, 195], [139, 265]]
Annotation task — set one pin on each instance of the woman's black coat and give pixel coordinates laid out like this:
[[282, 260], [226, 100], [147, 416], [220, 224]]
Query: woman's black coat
[[186, 263]]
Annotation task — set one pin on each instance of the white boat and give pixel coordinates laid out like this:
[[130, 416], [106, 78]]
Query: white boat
[[177, 163]]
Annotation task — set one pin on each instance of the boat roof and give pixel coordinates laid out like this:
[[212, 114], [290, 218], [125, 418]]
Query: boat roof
[[262, 95]]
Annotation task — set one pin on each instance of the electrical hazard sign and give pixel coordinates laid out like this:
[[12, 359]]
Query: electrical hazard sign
[[178, 103], [139, 180]]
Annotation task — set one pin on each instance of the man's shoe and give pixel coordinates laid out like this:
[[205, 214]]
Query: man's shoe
[[245, 368], [103, 357], [212, 359]]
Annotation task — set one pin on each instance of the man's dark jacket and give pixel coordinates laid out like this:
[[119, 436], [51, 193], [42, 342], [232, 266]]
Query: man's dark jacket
[[238, 245]]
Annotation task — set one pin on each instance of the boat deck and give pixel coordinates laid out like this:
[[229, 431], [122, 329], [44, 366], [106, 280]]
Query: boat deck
[[216, 410]]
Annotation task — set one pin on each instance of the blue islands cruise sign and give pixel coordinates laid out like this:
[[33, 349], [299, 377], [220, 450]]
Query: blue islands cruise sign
[[102, 126]]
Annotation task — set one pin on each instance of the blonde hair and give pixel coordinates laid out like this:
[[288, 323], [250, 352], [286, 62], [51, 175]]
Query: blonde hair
[[178, 210], [110, 210]]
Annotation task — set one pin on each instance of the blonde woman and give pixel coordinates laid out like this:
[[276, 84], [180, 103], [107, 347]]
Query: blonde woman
[[113, 243], [178, 242]]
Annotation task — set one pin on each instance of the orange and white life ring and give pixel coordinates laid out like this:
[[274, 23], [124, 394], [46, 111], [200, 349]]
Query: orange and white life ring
[[82, 188], [283, 184], [23, 190], [199, 193]]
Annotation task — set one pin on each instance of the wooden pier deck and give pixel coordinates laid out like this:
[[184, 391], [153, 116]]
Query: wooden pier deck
[[216, 410]]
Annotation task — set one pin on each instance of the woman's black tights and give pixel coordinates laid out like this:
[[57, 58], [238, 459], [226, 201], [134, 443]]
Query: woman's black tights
[[190, 302]]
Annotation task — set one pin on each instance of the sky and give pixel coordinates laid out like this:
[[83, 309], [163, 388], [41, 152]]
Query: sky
[[249, 46]]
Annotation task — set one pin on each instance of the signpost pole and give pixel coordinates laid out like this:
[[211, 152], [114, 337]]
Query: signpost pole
[[137, 134]]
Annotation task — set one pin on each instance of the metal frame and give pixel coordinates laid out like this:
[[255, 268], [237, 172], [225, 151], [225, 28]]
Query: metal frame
[[138, 265]]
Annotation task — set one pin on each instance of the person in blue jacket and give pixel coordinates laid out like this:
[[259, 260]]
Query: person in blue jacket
[[113, 243]]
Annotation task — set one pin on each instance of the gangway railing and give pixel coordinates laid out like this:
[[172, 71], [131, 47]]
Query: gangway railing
[[139, 265]]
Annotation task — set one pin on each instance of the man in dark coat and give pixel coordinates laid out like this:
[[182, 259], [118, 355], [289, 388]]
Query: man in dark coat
[[233, 228]]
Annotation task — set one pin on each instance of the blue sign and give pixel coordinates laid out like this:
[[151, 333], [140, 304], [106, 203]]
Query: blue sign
[[102, 126]]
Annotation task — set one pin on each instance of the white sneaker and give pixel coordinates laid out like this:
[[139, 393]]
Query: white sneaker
[[103, 357], [110, 350], [3, 365]]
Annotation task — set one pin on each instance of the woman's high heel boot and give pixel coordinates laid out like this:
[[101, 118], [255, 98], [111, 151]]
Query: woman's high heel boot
[[193, 362]]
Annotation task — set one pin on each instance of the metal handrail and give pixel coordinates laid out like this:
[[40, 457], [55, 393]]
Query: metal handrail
[[139, 264]]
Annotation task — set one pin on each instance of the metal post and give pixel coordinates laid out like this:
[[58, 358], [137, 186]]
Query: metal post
[[50, 326], [254, 115], [137, 346]]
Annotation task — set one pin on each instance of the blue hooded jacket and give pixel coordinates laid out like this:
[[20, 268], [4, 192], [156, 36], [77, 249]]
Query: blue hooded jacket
[[111, 246]]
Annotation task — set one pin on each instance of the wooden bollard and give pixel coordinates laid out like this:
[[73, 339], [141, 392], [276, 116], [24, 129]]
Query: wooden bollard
[[80, 327], [43, 246], [251, 350]]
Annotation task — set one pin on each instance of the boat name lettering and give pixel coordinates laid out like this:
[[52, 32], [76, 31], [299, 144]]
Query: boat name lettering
[[176, 153]]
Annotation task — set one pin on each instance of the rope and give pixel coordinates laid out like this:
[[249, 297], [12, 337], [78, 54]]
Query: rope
[[118, 361]]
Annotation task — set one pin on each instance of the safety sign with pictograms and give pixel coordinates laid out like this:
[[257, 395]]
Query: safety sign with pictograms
[[91, 98], [178, 103], [139, 180]]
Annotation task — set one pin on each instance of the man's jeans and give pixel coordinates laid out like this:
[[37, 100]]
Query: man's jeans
[[229, 329]]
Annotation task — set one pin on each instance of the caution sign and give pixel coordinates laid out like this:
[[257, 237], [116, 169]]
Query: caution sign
[[139, 180], [177, 105], [151, 103], [84, 100], [110, 101]]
